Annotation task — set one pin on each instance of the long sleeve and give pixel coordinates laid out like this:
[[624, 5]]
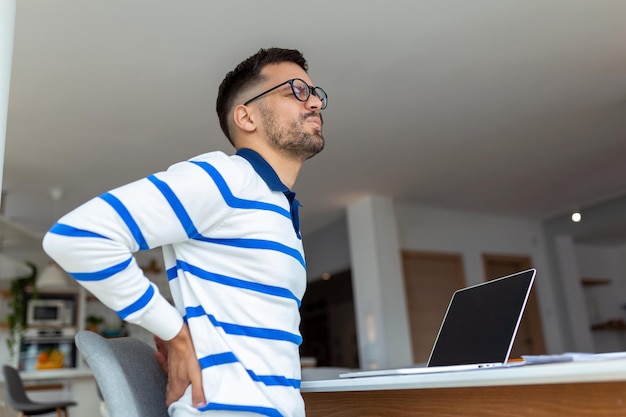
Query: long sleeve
[[95, 242]]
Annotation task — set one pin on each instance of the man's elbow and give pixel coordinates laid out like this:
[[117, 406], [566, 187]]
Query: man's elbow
[[50, 245]]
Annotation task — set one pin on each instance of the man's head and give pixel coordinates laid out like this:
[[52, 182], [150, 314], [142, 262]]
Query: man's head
[[245, 77]]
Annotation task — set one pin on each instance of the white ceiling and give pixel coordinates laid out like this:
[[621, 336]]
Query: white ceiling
[[508, 107]]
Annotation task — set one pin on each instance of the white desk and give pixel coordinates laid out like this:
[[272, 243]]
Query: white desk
[[561, 389]]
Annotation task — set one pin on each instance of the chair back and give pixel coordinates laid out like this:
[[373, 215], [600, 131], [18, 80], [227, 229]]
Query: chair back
[[127, 373], [16, 394]]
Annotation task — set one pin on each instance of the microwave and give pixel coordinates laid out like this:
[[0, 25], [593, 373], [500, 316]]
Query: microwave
[[44, 312]]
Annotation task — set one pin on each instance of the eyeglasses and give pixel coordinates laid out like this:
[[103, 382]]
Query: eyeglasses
[[300, 89]]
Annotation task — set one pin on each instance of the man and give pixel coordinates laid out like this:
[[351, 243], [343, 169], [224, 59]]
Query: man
[[230, 234]]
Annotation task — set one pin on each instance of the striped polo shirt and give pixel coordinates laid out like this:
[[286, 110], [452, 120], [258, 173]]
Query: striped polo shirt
[[229, 231]]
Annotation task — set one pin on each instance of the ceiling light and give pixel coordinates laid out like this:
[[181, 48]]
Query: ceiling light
[[576, 217]]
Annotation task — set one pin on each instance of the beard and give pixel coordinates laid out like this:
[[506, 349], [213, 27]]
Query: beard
[[292, 139]]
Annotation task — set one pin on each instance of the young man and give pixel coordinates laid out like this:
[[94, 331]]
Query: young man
[[230, 234]]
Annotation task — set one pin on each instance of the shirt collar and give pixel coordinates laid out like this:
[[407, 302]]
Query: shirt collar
[[264, 169]]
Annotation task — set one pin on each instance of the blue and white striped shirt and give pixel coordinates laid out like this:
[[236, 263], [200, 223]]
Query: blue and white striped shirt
[[229, 231]]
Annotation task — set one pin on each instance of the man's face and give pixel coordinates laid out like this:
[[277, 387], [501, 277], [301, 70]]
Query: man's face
[[290, 125]]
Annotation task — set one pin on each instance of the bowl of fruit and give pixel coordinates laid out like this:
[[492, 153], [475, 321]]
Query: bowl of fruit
[[50, 359]]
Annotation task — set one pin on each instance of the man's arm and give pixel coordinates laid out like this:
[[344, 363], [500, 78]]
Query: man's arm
[[95, 244]]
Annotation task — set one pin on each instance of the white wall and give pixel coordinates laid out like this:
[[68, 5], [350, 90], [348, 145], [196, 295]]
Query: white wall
[[604, 302], [605, 263], [599, 222], [471, 235], [7, 30]]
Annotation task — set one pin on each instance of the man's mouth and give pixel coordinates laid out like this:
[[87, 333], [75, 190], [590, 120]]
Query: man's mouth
[[316, 120]]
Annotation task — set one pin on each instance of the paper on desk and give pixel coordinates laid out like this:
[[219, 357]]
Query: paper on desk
[[572, 357]]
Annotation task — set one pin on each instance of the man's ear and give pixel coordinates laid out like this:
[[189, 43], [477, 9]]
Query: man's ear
[[244, 119]]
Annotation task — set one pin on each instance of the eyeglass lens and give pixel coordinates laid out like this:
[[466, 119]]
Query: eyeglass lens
[[302, 91]]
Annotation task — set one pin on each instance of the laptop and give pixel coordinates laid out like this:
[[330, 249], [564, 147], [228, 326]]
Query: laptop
[[478, 329]]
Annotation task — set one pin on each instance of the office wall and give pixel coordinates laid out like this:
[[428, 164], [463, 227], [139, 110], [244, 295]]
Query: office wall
[[7, 30], [605, 302], [600, 221], [469, 234], [605, 262]]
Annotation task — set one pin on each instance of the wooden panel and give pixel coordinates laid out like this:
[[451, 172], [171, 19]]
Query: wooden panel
[[430, 279], [571, 400], [529, 339]]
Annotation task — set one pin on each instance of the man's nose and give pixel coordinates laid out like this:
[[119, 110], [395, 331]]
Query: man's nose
[[314, 103]]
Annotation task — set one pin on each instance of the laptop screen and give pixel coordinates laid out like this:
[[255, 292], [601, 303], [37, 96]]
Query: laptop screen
[[481, 321]]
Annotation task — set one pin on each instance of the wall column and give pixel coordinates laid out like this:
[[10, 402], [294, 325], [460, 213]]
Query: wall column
[[378, 284], [574, 297], [7, 30]]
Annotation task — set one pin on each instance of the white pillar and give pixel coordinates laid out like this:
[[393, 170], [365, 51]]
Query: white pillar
[[574, 297], [7, 30], [378, 284]]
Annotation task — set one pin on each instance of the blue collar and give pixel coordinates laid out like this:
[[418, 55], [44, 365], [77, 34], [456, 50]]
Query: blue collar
[[265, 171]]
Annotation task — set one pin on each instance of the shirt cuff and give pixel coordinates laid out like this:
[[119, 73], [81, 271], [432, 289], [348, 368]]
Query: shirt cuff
[[162, 319]]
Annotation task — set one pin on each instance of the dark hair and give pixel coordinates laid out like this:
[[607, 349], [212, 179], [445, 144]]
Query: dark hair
[[245, 75]]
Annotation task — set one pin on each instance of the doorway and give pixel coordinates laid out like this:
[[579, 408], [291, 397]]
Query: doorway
[[328, 325], [430, 278], [529, 339]]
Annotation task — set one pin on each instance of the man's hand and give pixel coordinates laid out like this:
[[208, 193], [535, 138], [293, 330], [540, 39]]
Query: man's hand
[[183, 368], [161, 353]]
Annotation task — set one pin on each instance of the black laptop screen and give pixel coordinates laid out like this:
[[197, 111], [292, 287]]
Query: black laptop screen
[[481, 321]]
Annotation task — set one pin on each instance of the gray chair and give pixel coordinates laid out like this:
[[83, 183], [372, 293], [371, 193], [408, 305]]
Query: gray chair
[[127, 374], [20, 402]]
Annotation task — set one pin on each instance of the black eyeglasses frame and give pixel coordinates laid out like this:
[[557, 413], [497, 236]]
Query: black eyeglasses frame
[[309, 89]]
